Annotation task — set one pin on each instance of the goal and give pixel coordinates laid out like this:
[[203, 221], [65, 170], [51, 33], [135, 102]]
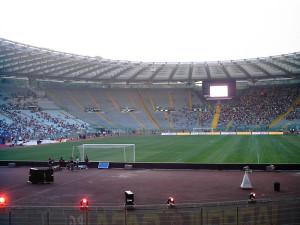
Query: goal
[[105, 152]]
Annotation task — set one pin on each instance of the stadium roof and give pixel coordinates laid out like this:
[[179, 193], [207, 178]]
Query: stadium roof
[[20, 60]]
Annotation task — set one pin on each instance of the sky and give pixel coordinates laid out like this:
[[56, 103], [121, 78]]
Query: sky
[[156, 30]]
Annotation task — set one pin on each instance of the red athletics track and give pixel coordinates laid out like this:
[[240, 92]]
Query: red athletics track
[[106, 187]]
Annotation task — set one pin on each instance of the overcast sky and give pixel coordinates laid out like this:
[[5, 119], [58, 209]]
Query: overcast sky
[[156, 30]]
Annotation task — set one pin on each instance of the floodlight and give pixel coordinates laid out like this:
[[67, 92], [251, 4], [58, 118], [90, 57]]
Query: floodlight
[[2, 201], [129, 198], [84, 203], [252, 197], [171, 201]]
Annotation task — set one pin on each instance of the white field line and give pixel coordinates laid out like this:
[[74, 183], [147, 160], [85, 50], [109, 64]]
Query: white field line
[[257, 155]]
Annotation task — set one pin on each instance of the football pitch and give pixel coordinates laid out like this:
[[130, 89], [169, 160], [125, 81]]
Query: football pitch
[[188, 149]]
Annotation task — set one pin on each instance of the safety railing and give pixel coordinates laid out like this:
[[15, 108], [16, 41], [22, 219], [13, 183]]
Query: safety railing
[[264, 212]]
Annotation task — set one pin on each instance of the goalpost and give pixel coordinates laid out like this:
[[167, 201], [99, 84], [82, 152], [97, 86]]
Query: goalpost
[[105, 152]]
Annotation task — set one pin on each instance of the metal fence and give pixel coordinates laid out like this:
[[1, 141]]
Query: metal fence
[[277, 212]]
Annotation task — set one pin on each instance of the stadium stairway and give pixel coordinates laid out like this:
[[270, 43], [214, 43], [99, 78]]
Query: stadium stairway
[[81, 100], [198, 119], [149, 114], [229, 125], [284, 115], [171, 101], [123, 119], [155, 100], [113, 101], [168, 118], [153, 104], [75, 101], [134, 117], [215, 121], [62, 106], [190, 101], [166, 114], [139, 114], [163, 120], [103, 117]]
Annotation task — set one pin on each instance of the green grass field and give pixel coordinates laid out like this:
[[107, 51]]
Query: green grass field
[[191, 149]]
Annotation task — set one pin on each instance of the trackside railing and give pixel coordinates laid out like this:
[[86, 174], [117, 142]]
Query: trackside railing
[[264, 212]]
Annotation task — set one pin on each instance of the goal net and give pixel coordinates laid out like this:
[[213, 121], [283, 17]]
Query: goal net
[[105, 152]]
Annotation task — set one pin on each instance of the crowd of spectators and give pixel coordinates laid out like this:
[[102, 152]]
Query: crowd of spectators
[[60, 124], [252, 107], [259, 106], [36, 124], [294, 115], [199, 116]]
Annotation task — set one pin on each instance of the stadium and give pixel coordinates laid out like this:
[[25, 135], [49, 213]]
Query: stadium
[[91, 140]]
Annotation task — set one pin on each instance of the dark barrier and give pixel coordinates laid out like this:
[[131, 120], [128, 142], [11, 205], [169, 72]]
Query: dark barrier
[[266, 212], [146, 165]]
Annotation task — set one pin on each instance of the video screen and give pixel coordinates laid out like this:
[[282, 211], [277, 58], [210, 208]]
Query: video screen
[[218, 91]]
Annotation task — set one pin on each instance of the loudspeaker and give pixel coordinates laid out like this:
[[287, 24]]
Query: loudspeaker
[[277, 186], [48, 176], [36, 176], [40, 175], [129, 198]]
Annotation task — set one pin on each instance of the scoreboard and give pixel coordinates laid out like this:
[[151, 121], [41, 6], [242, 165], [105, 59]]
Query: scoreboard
[[219, 90]]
